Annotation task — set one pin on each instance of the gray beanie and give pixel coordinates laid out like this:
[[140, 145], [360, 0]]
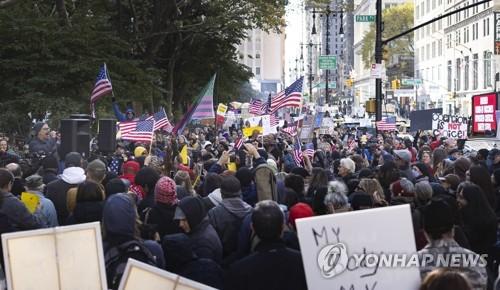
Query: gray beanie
[[230, 187]]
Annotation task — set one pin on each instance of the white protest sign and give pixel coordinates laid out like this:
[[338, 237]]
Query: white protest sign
[[69, 257], [339, 250], [138, 275], [451, 126]]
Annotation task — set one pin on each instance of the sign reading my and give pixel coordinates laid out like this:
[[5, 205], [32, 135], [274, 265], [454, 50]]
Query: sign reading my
[[365, 18], [328, 62]]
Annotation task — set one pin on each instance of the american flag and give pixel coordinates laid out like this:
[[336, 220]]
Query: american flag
[[126, 127], [102, 85], [387, 124], [292, 130], [205, 108], [143, 131], [290, 97], [257, 107], [273, 120], [238, 143], [161, 120], [297, 153], [309, 152]]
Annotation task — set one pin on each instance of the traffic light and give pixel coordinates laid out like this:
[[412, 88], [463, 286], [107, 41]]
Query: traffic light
[[396, 84], [349, 82]]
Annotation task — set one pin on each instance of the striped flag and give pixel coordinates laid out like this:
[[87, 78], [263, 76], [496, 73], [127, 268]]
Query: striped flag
[[238, 143], [207, 95], [102, 85], [205, 108], [273, 120], [161, 119], [143, 132], [126, 127], [297, 153], [292, 130], [290, 97], [387, 124], [309, 152], [256, 107]]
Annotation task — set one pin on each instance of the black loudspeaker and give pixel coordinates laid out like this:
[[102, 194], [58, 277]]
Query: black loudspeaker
[[107, 135], [75, 137]]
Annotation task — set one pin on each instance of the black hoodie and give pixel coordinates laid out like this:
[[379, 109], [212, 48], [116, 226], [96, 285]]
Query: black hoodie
[[206, 242], [183, 261]]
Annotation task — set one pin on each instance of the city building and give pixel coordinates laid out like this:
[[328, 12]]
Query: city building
[[469, 45], [264, 54]]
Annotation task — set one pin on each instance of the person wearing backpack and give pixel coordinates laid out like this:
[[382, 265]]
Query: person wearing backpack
[[121, 239], [226, 218]]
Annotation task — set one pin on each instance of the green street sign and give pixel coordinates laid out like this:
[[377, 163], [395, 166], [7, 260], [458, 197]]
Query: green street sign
[[365, 18], [411, 82], [328, 62]]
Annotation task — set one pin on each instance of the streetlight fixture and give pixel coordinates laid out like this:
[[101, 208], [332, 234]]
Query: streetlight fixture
[[327, 12]]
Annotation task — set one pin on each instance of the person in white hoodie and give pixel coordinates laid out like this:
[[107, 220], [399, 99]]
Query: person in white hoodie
[[57, 190]]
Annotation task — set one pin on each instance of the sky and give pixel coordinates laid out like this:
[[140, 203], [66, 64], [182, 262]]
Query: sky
[[294, 35]]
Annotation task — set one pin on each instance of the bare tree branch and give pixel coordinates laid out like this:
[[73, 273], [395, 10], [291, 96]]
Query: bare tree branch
[[6, 3]]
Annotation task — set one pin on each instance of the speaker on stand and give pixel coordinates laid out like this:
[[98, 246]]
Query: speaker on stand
[[106, 138]]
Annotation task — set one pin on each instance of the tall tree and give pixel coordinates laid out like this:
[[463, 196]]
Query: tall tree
[[396, 19]]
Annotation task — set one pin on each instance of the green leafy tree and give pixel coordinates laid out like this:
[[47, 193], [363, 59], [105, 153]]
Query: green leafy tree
[[396, 20]]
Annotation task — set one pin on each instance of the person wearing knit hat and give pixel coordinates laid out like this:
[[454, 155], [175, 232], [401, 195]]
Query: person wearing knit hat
[[161, 215], [96, 171], [248, 191], [438, 227], [227, 217], [42, 143], [34, 184], [298, 211]]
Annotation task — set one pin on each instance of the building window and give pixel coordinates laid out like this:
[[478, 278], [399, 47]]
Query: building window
[[433, 49], [417, 12], [465, 34], [428, 5], [440, 47], [439, 72], [449, 75], [428, 51], [458, 70], [422, 9], [457, 37], [257, 71], [474, 71], [440, 2], [487, 69], [257, 55], [440, 24], [466, 73]]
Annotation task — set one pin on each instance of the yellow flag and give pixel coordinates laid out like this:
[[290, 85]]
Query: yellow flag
[[249, 131], [184, 155], [30, 200], [231, 166]]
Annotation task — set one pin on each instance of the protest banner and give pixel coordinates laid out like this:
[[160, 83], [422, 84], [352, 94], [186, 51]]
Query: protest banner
[[69, 257], [483, 112], [260, 123], [221, 113], [138, 275], [339, 249], [422, 119], [450, 126]]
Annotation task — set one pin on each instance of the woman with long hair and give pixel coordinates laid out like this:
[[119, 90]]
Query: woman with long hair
[[438, 156], [373, 188], [479, 219], [89, 203], [480, 176], [184, 186]]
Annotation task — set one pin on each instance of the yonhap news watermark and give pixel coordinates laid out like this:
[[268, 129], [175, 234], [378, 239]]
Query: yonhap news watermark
[[334, 259]]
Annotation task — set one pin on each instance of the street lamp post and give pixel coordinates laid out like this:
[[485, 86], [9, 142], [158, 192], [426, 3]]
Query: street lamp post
[[310, 77], [327, 12]]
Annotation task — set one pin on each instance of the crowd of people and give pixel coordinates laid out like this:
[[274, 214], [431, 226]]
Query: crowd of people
[[226, 217]]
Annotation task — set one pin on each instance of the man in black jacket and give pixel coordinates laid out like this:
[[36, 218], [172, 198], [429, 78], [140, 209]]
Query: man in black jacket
[[273, 265]]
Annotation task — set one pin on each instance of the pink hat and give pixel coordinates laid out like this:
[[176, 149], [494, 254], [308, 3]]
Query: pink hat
[[165, 191]]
